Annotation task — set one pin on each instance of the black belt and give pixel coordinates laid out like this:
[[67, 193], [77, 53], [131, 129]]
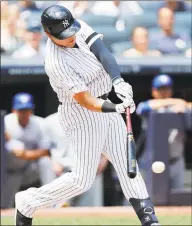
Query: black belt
[[104, 97]]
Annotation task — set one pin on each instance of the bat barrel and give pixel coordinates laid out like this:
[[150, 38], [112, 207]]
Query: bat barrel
[[131, 158], [131, 153]]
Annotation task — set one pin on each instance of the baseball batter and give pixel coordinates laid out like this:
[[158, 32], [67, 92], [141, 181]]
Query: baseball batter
[[82, 71]]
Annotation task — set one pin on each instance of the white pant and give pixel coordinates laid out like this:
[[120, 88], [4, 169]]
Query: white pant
[[92, 197], [91, 134]]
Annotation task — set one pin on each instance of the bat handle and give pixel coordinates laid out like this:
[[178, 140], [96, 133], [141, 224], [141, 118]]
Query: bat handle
[[128, 120]]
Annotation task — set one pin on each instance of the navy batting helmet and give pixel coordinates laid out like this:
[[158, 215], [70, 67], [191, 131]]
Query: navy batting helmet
[[59, 22], [23, 101]]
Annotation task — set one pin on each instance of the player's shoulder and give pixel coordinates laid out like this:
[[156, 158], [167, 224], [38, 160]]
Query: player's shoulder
[[10, 118], [37, 123], [84, 26], [52, 59], [37, 120], [82, 23], [51, 49], [51, 118]]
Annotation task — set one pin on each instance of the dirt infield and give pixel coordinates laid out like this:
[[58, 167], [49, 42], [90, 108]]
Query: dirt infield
[[102, 211]]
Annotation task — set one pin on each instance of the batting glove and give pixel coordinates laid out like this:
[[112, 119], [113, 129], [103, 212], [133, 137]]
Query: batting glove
[[122, 89], [128, 102]]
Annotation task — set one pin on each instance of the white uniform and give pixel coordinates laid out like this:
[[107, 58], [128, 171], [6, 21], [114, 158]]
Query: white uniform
[[70, 71], [60, 152], [32, 135]]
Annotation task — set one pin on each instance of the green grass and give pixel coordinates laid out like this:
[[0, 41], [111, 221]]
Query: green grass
[[167, 220]]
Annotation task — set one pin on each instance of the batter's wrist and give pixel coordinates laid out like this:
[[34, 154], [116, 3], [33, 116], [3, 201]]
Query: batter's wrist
[[108, 107], [117, 80]]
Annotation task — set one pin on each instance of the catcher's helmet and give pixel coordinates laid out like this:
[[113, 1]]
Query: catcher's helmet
[[23, 101], [59, 22]]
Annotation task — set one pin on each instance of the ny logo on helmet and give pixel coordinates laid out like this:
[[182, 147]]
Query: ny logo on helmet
[[65, 23]]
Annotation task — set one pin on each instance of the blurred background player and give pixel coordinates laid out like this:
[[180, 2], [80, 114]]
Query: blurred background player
[[27, 146], [27, 9], [140, 40], [167, 40], [63, 161], [163, 101], [188, 52], [172, 38], [116, 8], [32, 46], [176, 6], [11, 27], [77, 8]]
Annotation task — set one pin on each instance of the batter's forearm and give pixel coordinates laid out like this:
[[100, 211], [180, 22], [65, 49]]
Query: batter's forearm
[[106, 58], [86, 100]]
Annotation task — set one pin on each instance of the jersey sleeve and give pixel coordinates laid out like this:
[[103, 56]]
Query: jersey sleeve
[[67, 78], [88, 33]]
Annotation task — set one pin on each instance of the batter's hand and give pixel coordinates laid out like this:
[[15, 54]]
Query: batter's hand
[[128, 102], [122, 89]]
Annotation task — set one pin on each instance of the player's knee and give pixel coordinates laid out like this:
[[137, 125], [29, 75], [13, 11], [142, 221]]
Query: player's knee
[[144, 210], [82, 185]]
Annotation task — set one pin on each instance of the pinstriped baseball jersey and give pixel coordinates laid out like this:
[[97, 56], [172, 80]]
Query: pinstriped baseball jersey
[[73, 70], [70, 71]]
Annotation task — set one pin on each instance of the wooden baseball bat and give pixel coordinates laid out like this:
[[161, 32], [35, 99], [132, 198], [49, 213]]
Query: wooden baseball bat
[[131, 152]]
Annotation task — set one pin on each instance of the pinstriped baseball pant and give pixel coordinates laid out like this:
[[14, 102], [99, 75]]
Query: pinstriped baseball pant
[[90, 134]]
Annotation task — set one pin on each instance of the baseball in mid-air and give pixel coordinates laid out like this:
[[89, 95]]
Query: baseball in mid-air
[[158, 167]]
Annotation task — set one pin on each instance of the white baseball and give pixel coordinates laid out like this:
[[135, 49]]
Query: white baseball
[[158, 167]]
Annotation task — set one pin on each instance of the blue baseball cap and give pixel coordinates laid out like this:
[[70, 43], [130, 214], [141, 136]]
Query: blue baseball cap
[[162, 80], [23, 101]]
